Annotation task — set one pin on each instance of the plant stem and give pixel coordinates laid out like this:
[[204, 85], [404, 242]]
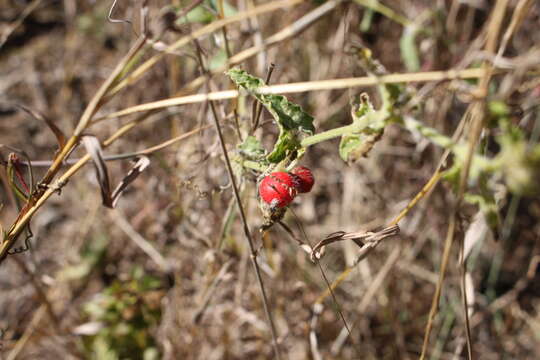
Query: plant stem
[[247, 232], [39, 198], [243, 217], [253, 165], [330, 134]]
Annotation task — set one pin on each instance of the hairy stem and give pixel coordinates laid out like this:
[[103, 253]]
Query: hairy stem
[[330, 134]]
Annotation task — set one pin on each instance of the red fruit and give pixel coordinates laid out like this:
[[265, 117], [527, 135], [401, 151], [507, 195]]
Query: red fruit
[[278, 189], [304, 179]]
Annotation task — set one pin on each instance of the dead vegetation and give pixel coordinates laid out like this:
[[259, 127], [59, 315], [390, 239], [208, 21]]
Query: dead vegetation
[[148, 259]]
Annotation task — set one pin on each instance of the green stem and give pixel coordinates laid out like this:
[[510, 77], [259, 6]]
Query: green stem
[[330, 134], [253, 165]]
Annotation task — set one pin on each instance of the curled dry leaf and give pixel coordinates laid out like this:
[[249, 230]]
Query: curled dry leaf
[[469, 290], [475, 234], [93, 147], [60, 137], [94, 150], [141, 164], [365, 240]]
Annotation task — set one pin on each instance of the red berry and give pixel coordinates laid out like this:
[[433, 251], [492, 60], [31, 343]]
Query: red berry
[[278, 189], [304, 179]]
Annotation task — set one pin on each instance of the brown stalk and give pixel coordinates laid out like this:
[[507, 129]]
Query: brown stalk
[[425, 191], [61, 181], [147, 151], [316, 259], [304, 87], [477, 110], [210, 28], [247, 232], [258, 105], [38, 199], [288, 32]]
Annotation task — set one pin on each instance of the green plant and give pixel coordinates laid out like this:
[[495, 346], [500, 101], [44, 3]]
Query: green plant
[[125, 315]]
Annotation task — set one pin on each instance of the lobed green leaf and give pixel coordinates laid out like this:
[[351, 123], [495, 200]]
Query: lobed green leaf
[[252, 148], [291, 119]]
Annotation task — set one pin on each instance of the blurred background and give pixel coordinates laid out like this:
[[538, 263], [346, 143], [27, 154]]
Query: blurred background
[[167, 273]]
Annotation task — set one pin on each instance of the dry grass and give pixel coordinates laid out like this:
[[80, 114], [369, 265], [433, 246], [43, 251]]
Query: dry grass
[[170, 263]]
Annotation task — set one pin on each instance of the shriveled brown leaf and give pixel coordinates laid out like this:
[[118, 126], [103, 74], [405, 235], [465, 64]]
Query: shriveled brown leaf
[[93, 147], [366, 240], [60, 137], [141, 164], [110, 199]]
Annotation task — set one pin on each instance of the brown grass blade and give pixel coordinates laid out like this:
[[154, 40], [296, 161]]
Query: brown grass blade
[[299, 87], [93, 147], [60, 137], [133, 173], [362, 238]]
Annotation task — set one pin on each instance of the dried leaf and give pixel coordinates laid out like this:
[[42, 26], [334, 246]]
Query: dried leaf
[[16, 174], [93, 147], [409, 50], [141, 164], [469, 290], [366, 240], [475, 233], [60, 137]]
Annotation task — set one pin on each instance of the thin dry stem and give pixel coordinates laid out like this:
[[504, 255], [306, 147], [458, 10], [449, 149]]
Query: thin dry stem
[[38, 199], [208, 29], [247, 232], [477, 120], [62, 180], [425, 191], [288, 32], [304, 87]]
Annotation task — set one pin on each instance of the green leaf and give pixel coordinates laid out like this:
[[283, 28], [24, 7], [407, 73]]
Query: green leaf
[[287, 114], [252, 148], [199, 15], [91, 255], [206, 12], [355, 146], [368, 122], [409, 50], [488, 206], [285, 144], [367, 128], [218, 60], [291, 119], [520, 163], [228, 9], [498, 108]]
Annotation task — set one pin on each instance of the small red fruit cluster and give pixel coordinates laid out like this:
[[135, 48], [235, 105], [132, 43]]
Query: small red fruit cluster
[[280, 188]]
